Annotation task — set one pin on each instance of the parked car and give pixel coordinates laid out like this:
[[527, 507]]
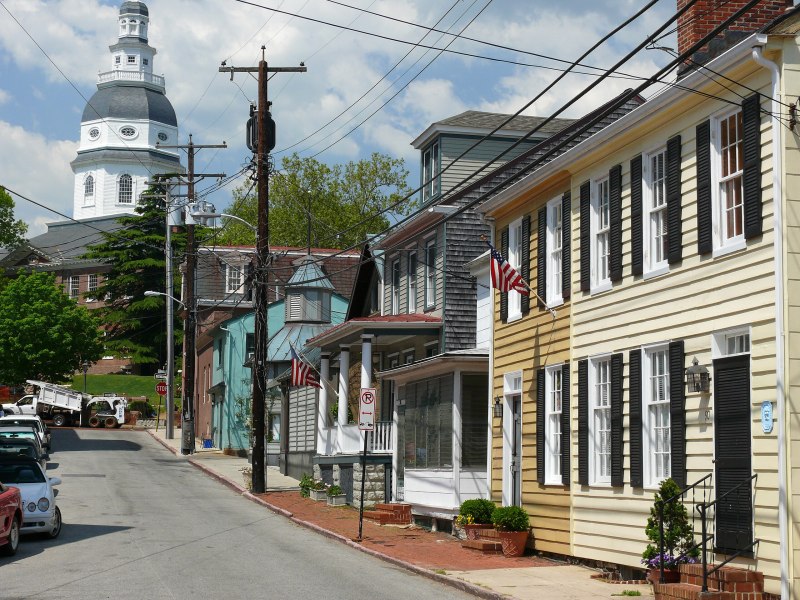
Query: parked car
[[33, 421], [10, 519], [40, 513], [25, 443]]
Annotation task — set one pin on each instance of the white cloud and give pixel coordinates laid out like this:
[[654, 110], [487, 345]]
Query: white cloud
[[4, 96]]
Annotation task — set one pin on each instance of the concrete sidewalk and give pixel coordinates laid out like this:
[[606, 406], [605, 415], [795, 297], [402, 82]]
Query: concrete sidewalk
[[435, 555]]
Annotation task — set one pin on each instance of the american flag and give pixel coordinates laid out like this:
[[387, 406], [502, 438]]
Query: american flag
[[504, 277], [301, 372]]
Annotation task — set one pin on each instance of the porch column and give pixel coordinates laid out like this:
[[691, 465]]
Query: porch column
[[366, 360], [458, 443], [344, 374], [322, 415]]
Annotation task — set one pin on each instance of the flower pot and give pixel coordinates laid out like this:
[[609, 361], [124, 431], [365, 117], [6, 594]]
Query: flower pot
[[473, 530], [670, 575], [318, 495], [513, 542], [339, 500]]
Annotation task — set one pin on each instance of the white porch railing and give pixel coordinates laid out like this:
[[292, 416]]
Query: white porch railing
[[380, 442], [121, 75]]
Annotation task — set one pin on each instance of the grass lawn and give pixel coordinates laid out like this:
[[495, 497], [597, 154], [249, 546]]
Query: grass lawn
[[129, 385]]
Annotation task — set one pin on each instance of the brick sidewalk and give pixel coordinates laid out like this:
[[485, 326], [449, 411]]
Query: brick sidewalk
[[418, 546]]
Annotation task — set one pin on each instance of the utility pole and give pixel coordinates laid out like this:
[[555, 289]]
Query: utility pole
[[265, 143], [190, 322]]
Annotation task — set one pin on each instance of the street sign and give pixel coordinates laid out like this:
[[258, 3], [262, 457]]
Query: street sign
[[366, 409], [160, 376], [161, 388]]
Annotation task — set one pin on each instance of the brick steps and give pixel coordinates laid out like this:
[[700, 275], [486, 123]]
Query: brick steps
[[484, 545], [390, 514], [729, 583]]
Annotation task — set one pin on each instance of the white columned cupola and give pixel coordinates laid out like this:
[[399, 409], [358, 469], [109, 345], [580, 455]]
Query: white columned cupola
[[123, 124]]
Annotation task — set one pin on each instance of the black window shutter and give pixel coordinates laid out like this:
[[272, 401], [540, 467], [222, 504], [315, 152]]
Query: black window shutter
[[635, 397], [566, 238], [586, 254], [541, 258], [525, 262], [540, 425], [703, 141], [583, 422], [616, 420], [674, 223], [615, 223], [677, 413], [751, 176], [637, 248], [504, 295], [566, 446]]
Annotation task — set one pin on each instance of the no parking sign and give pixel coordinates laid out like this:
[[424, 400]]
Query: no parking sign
[[366, 409]]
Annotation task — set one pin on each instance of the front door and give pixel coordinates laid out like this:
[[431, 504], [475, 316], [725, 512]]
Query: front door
[[732, 463], [516, 452]]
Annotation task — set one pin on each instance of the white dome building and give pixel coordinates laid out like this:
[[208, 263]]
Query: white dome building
[[121, 125]]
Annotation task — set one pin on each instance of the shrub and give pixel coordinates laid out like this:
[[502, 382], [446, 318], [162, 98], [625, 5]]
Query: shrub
[[678, 531], [318, 485], [335, 490], [478, 510], [144, 408], [306, 481], [510, 518]]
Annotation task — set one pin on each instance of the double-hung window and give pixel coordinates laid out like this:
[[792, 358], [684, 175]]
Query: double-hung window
[[88, 190], [431, 181], [656, 446], [553, 397], [728, 207], [125, 189], [395, 287], [655, 211], [430, 274], [92, 287], [412, 282], [600, 420], [74, 286], [555, 224], [515, 259], [601, 234], [233, 279]]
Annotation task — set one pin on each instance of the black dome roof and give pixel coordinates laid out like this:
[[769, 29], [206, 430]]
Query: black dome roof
[[138, 8], [128, 102]]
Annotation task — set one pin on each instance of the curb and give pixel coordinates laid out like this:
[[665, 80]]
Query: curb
[[459, 584]]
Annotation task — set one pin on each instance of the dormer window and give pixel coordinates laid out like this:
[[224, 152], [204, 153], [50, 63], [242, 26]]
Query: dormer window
[[431, 167], [308, 305], [131, 60]]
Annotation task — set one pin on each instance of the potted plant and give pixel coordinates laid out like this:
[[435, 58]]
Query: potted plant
[[512, 525], [679, 545], [318, 490], [474, 515], [305, 485], [336, 496]]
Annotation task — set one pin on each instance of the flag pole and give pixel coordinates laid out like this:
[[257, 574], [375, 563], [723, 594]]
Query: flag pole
[[530, 289]]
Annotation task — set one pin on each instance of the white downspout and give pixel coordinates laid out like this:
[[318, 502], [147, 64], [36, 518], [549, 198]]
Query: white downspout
[[777, 201]]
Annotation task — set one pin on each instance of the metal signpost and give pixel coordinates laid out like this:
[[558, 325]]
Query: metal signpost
[[366, 423], [161, 390]]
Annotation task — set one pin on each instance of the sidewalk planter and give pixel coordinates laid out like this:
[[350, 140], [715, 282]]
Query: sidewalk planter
[[336, 496], [475, 515], [474, 530], [513, 542], [318, 495], [513, 526]]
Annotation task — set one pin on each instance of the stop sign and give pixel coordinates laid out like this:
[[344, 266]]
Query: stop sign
[[161, 388]]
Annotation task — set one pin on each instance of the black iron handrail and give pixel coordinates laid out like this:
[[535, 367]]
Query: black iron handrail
[[661, 521], [702, 508]]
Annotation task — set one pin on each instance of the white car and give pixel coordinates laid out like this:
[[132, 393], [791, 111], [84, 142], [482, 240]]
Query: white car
[[39, 511], [33, 421]]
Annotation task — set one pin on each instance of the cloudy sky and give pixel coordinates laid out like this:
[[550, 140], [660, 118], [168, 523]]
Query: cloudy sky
[[43, 90]]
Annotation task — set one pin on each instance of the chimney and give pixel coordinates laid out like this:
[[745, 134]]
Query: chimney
[[701, 18]]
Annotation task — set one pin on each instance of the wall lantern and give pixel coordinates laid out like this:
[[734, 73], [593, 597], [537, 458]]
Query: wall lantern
[[497, 409], [697, 379]]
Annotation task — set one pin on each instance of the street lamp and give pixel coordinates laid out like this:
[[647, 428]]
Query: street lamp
[[170, 361], [85, 368], [204, 217]]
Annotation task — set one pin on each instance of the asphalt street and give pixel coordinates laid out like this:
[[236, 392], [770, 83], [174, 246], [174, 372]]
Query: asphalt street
[[140, 523]]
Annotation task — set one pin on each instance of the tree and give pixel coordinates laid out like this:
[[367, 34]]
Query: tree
[[136, 324], [11, 231], [45, 334], [346, 202]]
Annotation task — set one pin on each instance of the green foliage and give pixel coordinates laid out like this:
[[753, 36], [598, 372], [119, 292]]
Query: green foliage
[[135, 323], [11, 231], [510, 518], [318, 485], [46, 335], [479, 509], [339, 197], [306, 483], [678, 530], [335, 490]]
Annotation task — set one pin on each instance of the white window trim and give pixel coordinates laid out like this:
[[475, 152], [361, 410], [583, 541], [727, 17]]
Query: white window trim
[[514, 298], [405, 354], [552, 458], [395, 286], [133, 190], [594, 479], [721, 247], [238, 288], [411, 283], [431, 185], [598, 285], [430, 274], [651, 268], [432, 344], [719, 339], [510, 391], [553, 299], [76, 288], [648, 442]]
